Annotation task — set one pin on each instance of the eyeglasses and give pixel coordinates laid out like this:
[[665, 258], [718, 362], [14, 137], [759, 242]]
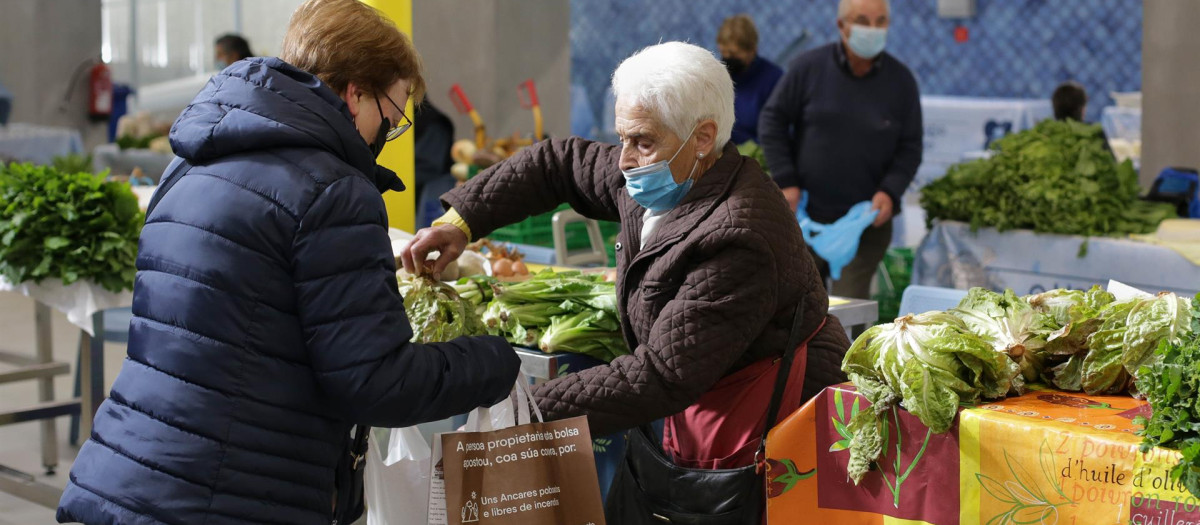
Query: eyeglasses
[[399, 128]]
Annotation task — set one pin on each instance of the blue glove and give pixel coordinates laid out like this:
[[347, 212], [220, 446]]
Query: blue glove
[[837, 243]]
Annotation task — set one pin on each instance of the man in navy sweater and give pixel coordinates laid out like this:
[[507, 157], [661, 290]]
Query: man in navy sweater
[[844, 124], [754, 77]]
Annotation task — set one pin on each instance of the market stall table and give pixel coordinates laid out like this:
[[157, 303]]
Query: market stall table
[[1045, 457], [852, 313], [951, 256], [84, 305]]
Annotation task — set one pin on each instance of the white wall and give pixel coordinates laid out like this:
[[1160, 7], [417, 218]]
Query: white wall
[[41, 44], [491, 46], [1170, 86]]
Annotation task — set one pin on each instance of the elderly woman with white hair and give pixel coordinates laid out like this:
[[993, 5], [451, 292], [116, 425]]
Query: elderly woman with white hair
[[712, 268]]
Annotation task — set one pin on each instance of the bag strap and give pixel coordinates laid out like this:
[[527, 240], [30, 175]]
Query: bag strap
[[168, 181], [785, 367], [358, 450], [795, 339]]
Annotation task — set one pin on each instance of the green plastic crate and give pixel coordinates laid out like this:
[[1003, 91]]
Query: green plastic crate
[[895, 274], [537, 231]]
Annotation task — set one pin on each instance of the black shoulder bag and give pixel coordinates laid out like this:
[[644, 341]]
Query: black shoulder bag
[[651, 489], [348, 476]]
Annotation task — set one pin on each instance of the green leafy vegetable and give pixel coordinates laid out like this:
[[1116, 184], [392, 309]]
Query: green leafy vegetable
[[1171, 383], [559, 312], [132, 142], [1125, 340], [436, 311], [67, 225], [1056, 178], [751, 149], [596, 333], [1010, 325], [1071, 316], [73, 163], [929, 363]]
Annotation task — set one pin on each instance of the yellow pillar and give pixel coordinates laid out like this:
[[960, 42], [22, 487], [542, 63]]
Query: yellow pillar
[[398, 155]]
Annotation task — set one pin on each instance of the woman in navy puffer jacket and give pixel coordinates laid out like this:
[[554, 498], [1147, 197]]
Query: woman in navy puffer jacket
[[267, 321]]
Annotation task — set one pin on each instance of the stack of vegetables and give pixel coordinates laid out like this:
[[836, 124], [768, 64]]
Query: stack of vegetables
[[555, 312], [1056, 178], [559, 312], [67, 225], [992, 345], [1171, 383]]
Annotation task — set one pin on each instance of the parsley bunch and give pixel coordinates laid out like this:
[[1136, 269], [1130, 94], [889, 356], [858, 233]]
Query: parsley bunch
[[69, 226], [1172, 386]]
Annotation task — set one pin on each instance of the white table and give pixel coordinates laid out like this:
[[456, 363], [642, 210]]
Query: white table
[[953, 257], [38, 144]]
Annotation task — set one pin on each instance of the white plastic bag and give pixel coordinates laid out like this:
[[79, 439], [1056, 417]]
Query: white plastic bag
[[397, 486]]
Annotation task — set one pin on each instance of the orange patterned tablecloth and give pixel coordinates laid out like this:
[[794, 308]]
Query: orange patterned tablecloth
[[1047, 457]]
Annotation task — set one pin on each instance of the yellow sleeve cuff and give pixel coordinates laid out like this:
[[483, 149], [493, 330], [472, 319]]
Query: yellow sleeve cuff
[[452, 218]]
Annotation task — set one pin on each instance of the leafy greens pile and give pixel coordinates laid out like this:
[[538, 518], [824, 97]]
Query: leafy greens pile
[[559, 312], [1172, 386], [1055, 178], [993, 344], [929, 363], [67, 225], [555, 312]]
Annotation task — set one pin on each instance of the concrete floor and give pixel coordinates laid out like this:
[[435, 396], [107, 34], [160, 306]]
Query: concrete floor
[[20, 444]]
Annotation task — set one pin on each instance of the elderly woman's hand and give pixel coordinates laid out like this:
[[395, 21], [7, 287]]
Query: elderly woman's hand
[[445, 238]]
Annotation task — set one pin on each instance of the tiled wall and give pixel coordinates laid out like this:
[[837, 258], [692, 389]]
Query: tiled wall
[[1017, 48]]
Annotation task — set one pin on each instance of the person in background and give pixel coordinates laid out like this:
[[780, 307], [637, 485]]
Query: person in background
[[754, 77], [266, 316], [230, 48], [844, 125], [1070, 101], [433, 136]]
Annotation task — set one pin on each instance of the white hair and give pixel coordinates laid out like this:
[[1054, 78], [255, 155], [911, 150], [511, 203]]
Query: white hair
[[682, 84], [844, 8]]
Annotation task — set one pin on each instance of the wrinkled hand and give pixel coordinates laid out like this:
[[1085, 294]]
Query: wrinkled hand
[[792, 195], [445, 238], [882, 202]]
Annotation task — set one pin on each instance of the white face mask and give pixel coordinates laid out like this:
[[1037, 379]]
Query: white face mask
[[867, 42]]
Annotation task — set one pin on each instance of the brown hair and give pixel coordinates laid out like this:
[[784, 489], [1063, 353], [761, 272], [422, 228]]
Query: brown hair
[[344, 41], [738, 30]]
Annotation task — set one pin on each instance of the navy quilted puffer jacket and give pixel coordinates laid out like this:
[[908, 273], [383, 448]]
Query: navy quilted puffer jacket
[[266, 321]]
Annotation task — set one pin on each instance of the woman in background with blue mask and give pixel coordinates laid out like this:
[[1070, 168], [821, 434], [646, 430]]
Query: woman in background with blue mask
[[711, 263]]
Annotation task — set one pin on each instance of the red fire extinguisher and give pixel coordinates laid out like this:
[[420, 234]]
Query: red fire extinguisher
[[100, 92]]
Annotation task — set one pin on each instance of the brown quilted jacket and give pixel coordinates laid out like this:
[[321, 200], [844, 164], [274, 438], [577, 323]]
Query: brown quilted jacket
[[714, 290]]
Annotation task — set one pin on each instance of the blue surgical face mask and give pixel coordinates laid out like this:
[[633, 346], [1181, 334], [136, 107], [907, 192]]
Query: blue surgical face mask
[[654, 188], [220, 64], [867, 42]]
